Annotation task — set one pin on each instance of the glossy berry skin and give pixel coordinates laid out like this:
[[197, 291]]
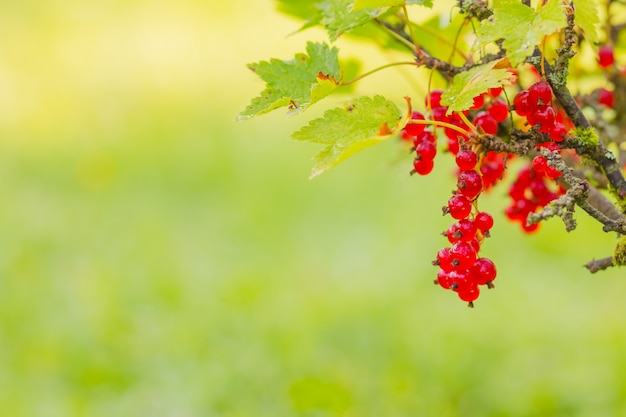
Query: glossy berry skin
[[522, 103], [469, 294], [479, 101], [415, 129], [483, 271], [557, 132], [423, 166], [483, 221], [426, 150], [459, 206], [466, 159], [486, 122], [540, 93], [444, 259], [543, 116], [606, 58], [498, 109], [470, 183]]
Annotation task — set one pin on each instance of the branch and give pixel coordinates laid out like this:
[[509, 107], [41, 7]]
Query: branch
[[600, 264], [597, 151]]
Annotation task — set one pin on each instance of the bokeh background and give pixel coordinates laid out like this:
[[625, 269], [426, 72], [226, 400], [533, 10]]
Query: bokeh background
[[158, 258]]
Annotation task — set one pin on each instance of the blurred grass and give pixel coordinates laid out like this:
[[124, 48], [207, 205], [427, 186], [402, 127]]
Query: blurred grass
[[156, 258]]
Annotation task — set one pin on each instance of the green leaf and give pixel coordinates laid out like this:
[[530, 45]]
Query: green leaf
[[469, 84], [359, 124], [339, 18], [297, 83], [521, 27], [365, 4], [587, 17]]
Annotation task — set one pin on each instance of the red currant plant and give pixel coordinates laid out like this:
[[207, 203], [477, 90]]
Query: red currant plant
[[506, 68]]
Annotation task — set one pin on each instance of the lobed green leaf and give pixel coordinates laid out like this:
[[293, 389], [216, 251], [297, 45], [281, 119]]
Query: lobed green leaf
[[587, 17], [474, 82], [296, 83], [365, 4], [359, 124], [521, 27]]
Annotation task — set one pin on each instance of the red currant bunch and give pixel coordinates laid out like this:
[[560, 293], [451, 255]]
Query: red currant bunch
[[460, 267], [533, 189]]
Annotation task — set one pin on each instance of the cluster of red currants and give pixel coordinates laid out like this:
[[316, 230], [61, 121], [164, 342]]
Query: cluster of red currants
[[532, 190], [460, 267], [534, 186]]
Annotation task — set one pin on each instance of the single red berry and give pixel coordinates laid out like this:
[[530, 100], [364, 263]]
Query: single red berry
[[498, 109], [444, 259], [470, 183], [423, 166], [443, 279], [467, 230], [522, 103], [454, 234], [426, 150], [606, 98], [461, 279], [466, 159], [540, 93], [606, 58], [415, 129], [458, 206], [557, 132], [463, 255], [433, 99], [469, 294], [552, 172], [487, 123], [483, 221], [539, 163], [544, 116], [483, 271]]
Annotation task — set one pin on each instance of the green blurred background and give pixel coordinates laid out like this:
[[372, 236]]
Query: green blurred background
[[158, 258]]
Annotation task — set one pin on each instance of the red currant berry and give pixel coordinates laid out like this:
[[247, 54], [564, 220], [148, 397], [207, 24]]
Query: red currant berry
[[463, 255], [522, 103], [544, 116], [444, 259], [487, 123], [483, 271], [469, 295], [415, 129], [540, 93], [606, 98], [498, 109], [467, 230], [483, 221], [433, 99], [458, 206], [466, 159], [426, 150], [539, 163], [423, 166], [470, 183], [552, 172], [443, 279], [558, 131], [606, 58]]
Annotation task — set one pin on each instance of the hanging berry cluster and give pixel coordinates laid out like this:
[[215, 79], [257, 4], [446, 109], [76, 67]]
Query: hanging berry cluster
[[461, 268], [535, 186]]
